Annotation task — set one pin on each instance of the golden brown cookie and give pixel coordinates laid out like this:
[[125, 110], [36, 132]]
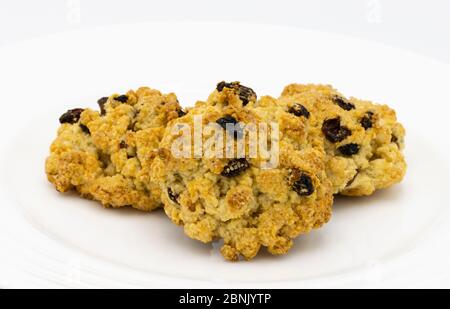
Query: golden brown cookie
[[363, 141], [244, 201], [106, 155]]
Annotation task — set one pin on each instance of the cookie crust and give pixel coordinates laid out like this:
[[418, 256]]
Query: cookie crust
[[363, 141], [106, 155], [254, 207]]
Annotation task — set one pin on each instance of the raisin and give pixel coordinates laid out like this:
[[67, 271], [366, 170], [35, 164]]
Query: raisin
[[246, 94], [173, 196], [343, 103], [181, 112], [394, 139], [303, 184], [101, 102], [123, 145], [333, 131], [235, 167], [366, 120], [85, 129], [234, 129], [122, 98], [222, 85], [71, 116], [299, 110], [226, 120], [349, 149]]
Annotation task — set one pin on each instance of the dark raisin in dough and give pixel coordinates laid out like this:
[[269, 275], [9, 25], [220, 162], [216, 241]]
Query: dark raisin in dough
[[394, 139], [235, 167], [123, 145], [299, 110], [181, 113], [366, 120], [236, 130], [343, 103], [71, 116], [349, 149], [333, 131], [101, 102], [85, 129], [173, 196], [303, 185], [222, 85], [246, 94], [226, 120], [122, 98]]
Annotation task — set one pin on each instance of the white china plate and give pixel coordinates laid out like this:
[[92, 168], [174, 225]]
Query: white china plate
[[398, 237]]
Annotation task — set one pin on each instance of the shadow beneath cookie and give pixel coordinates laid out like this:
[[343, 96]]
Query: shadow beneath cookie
[[74, 196], [149, 226], [177, 236], [345, 209], [314, 241], [390, 195]]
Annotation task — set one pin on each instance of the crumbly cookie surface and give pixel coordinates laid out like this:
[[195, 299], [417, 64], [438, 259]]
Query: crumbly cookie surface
[[235, 199], [106, 155], [363, 141]]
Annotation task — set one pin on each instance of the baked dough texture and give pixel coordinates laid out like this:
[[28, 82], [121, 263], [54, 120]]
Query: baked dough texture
[[325, 144], [237, 200], [363, 141], [106, 155]]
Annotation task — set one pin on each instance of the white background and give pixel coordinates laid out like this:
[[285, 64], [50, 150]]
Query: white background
[[418, 25]]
